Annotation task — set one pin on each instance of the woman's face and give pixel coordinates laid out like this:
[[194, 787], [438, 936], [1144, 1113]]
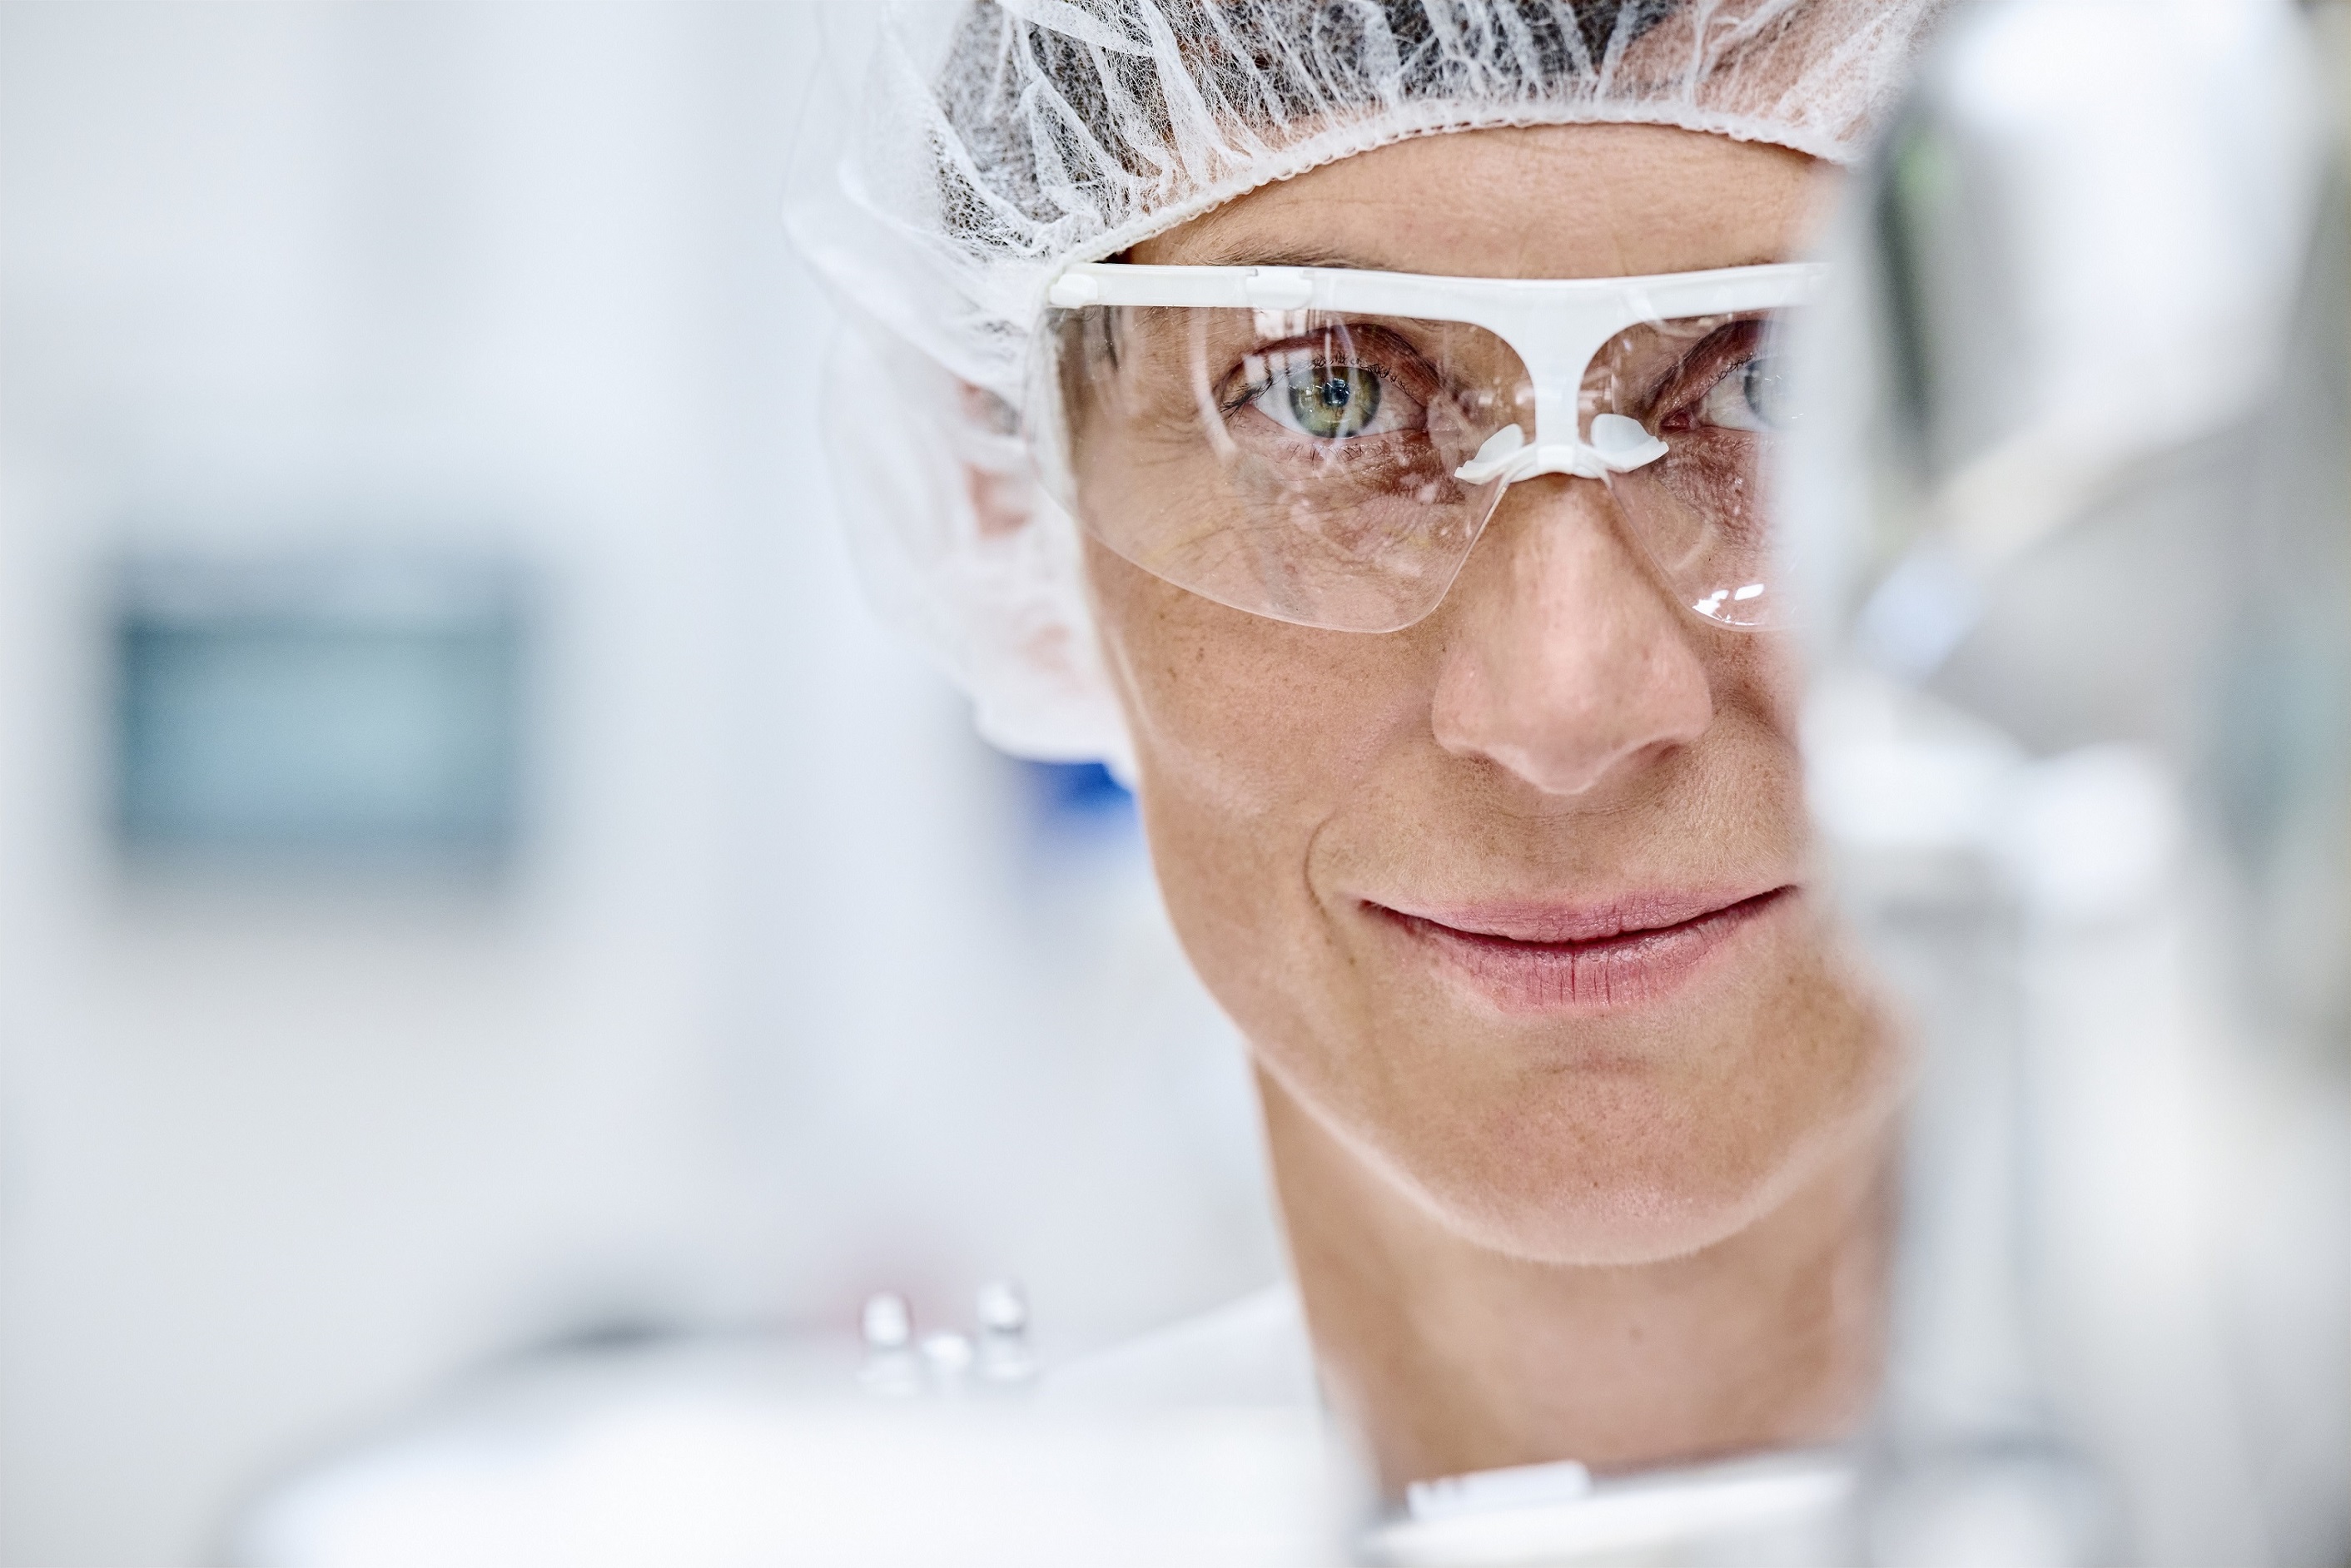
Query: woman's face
[[1514, 901]]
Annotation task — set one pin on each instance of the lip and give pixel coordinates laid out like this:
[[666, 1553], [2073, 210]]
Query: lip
[[1586, 960]]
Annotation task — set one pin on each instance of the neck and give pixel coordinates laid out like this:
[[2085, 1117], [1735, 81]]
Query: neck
[[1452, 1357]]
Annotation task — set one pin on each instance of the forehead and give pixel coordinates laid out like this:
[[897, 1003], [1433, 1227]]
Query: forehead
[[1570, 201]]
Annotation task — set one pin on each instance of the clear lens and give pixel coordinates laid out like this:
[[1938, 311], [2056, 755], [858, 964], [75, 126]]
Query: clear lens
[[1304, 465], [1291, 464], [1713, 389]]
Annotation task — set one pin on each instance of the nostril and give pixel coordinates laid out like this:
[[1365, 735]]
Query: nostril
[[1571, 764]]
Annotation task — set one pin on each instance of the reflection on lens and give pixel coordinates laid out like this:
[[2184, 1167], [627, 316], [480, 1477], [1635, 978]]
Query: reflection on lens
[[1296, 464], [1327, 402], [1305, 466], [1714, 392]]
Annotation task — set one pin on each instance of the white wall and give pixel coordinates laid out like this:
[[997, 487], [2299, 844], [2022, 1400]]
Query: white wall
[[786, 999]]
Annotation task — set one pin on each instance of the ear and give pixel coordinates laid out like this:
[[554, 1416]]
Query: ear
[[1000, 502], [997, 490]]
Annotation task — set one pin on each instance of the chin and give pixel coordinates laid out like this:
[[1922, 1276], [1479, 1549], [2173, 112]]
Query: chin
[[1602, 1221], [1616, 1190], [1642, 1144]]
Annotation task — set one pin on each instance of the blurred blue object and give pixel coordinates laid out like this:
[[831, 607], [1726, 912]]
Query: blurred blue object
[[1073, 793], [319, 708]]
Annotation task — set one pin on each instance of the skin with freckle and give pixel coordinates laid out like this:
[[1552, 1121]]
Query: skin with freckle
[[1557, 732]]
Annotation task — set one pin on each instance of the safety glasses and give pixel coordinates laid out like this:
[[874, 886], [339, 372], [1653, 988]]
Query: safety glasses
[[1324, 445]]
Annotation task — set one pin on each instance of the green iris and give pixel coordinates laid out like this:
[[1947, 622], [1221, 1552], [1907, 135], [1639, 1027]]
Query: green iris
[[1334, 400]]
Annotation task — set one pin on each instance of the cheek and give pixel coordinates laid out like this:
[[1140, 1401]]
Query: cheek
[[1244, 725], [1761, 675], [1250, 734]]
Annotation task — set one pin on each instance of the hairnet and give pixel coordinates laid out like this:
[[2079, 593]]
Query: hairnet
[[992, 142]]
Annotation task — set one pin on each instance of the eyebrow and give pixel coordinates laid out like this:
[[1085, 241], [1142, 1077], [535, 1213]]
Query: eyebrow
[[1246, 255]]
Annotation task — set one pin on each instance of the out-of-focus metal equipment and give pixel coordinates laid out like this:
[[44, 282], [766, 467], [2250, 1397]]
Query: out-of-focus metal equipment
[[2072, 513]]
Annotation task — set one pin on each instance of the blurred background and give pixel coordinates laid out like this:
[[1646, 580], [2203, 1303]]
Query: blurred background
[[474, 879]]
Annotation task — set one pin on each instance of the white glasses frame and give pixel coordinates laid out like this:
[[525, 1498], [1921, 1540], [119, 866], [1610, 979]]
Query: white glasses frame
[[1557, 326]]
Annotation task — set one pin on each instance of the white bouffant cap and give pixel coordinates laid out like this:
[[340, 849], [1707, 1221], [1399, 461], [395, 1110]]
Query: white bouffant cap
[[989, 143]]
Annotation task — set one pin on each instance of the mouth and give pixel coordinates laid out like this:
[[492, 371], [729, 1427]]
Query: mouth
[[1581, 959]]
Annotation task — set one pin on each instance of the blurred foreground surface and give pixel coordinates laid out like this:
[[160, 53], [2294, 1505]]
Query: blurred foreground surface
[[2076, 516]]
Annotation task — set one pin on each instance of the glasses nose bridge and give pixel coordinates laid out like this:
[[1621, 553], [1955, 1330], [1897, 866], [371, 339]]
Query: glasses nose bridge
[[1556, 340]]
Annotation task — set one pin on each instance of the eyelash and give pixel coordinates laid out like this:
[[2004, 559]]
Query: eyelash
[[1246, 388], [1688, 392], [1301, 362]]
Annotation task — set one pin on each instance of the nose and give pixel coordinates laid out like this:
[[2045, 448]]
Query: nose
[[1564, 662]]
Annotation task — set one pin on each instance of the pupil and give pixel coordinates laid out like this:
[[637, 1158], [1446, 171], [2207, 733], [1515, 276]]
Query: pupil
[[1338, 401]]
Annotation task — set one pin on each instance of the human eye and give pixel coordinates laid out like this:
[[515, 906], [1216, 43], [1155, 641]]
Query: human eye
[[1328, 402], [1736, 382], [1328, 391], [1751, 395]]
